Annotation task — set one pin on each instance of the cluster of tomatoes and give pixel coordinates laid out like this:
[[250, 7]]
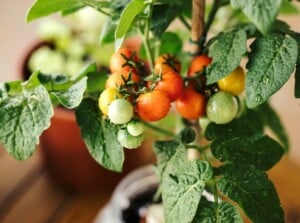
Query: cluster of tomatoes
[[133, 94]]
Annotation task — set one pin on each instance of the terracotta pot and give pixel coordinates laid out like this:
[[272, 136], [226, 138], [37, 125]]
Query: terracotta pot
[[66, 156]]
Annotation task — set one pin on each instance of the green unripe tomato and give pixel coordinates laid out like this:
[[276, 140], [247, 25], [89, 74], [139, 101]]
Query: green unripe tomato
[[120, 111], [222, 107], [135, 128], [129, 141]]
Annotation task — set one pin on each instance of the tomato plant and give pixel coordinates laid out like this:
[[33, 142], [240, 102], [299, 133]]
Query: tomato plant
[[198, 70]]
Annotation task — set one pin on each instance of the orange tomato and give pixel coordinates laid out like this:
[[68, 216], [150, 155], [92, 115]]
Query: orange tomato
[[116, 80], [123, 60], [167, 62], [191, 104], [171, 83], [153, 105], [198, 64]]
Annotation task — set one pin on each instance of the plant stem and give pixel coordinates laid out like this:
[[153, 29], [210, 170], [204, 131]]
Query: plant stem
[[215, 7], [158, 129], [199, 148], [146, 37], [184, 22], [197, 25]]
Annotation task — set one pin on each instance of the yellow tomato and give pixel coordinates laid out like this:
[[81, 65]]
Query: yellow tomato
[[233, 83], [106, 97]]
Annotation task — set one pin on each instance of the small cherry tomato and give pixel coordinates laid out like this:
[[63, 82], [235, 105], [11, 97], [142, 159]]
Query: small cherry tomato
[[222, 107], [191, 104], [153, 105], [116, 80], [171, 83], [135, 128], [167, 62], [120, 111], [198, 64], [106, 97], [233, 83], [129, 141], [123, 60]]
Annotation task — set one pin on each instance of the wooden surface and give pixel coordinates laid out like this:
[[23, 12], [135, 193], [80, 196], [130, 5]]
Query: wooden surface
[[28, 194]]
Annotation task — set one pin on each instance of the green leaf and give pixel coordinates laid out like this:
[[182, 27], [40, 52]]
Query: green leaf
[[72, 97], [288, 8], [182, 187], [272, 120], [271, 62], [85, 71], [209, 212], [231, 130], [170, 43], [227, 52], [261, 12], [23, 118], [161, 21], [100, 136], [165, 150], [51, 82], [42, 8], [253, 191], [253, 149], [128, 15]]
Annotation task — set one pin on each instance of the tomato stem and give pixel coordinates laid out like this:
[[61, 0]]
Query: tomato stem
[[158, 129], [145, 35]]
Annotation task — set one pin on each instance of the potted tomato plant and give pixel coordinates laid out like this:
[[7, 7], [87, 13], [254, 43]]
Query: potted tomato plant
[[219, 143]]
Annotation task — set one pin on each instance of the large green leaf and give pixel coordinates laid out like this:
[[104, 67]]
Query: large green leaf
[[100, 136], [210, 212], [23, 118], [261, 12], [165, 150], [271, 62], [128, 15], [72, 97], [182, 187], [272, 120], [253, 149], [160, 21], [42, 8], [253, 191], [227, 52]]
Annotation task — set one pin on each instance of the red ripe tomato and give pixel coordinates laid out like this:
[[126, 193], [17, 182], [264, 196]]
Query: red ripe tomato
[[167, 62], [198, 64], [191, 104], [116, 80], [120, 60], [153, 105], [171, 83]]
